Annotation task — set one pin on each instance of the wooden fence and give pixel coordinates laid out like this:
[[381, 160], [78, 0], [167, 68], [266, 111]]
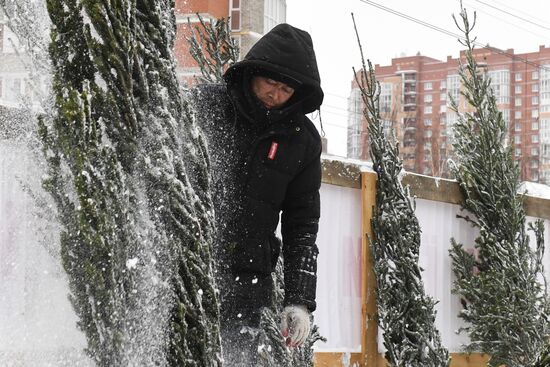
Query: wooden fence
[[350, 175]]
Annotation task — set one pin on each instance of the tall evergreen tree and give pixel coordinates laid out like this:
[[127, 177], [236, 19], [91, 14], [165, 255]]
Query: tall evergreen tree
[[214, 50], [128, 172], [505, 303], [405, 312]]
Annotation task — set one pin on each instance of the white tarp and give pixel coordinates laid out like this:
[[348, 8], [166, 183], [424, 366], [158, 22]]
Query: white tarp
[[339, 269]]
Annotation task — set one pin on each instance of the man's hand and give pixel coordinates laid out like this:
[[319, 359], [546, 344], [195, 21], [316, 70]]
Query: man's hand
[[295, 325]]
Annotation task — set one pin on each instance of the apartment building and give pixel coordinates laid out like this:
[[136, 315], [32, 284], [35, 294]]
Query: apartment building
[[415, 99]]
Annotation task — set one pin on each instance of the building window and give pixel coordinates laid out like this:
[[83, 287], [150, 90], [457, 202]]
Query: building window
[[453, 87], [235, 14], [535, 176], [518, 77], [428, 109], [534, 88], [428, 98], [427, 122], [354, 124], [428, 86], [517, 102], [500, 83], [517, 114], [518, 152], [534, 113], [535, 125], [535, 100], [534, 139], [535, 75], [517, 126], [442, 108], [443, 84], [534, 151], [427, 133], [517, 89], [274, 13], [517, 139], [385, 97], [534, 164], [443, 96]]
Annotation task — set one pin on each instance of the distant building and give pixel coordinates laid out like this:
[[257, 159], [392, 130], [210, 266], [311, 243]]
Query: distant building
[[15, 84], [415, 99]]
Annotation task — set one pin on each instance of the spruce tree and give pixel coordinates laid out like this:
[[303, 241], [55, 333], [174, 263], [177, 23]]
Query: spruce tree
[[127, 169], [505, 301], [406, 313]]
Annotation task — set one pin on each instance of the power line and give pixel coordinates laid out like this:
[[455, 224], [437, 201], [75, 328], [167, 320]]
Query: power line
[[454, 35], [519, 11], [336, 95], [505, 21], [514, 15]]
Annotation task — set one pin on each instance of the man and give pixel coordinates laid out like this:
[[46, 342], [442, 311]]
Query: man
[[265, 161]]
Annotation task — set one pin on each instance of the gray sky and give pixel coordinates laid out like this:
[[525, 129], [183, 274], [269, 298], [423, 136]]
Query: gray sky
[[385, 36]]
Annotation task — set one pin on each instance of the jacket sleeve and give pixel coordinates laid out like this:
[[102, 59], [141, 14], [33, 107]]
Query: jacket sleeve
[[299, 226]]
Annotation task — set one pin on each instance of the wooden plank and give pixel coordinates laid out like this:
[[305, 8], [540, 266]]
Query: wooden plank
[[537, 207], [337, 359], [436, 189], [369, 326], [469, 360], [348, 174], [457, 360], [341, 174]]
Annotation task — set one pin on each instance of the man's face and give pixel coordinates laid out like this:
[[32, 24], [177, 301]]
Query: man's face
[[271, 93]]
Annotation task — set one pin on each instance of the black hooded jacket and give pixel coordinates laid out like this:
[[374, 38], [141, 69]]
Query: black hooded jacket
[[264, 163]]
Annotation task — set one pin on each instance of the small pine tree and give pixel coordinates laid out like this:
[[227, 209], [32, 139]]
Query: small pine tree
[[505, 303], [127, 170], [213, 48], [405, 312]]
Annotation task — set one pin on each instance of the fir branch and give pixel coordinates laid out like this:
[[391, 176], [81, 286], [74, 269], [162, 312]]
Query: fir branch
[[405, 312]]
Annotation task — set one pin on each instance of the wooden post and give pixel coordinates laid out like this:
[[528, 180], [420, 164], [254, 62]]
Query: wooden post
[[369, 327]]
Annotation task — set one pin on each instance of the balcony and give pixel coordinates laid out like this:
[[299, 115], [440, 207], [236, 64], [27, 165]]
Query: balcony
[[409, 77], [409, 100]]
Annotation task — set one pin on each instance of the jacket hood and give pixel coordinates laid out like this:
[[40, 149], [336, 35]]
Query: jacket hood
[[288, 51]]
